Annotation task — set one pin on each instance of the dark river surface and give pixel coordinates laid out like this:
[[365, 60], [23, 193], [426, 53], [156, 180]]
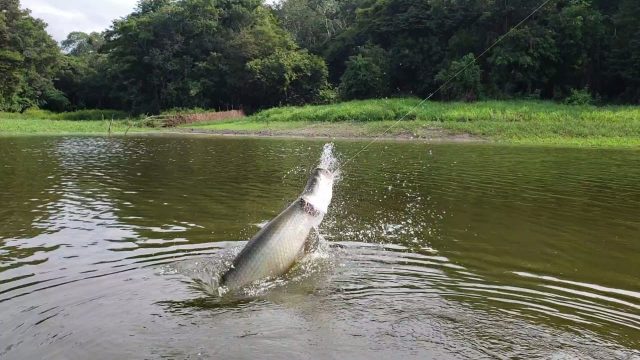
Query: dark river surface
[[109, 249]]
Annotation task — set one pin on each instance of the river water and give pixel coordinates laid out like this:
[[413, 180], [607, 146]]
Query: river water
[[109, 248]]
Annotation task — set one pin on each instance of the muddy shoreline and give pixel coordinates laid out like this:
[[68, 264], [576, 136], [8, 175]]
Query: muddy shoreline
[[310, 133]]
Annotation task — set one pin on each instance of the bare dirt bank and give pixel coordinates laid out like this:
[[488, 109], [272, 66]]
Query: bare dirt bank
[[323, 132]]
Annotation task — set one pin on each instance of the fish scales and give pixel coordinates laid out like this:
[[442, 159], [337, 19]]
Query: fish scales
[[280, 243]]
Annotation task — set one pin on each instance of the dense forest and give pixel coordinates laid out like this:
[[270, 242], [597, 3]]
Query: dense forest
[[247, 54]]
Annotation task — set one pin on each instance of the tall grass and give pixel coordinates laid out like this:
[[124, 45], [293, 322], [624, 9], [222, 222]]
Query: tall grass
[[52, 127], [95, 121], [534, 122], [408, 109], [80, 115]]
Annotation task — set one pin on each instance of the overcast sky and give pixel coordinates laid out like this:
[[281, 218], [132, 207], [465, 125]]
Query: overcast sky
[[65, 16]]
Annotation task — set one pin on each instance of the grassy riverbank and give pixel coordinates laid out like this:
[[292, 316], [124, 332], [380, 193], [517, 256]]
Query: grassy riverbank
[[41, 122], [63, 127], [524, 122]]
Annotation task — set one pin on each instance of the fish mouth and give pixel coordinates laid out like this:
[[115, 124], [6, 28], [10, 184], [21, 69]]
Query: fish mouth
[[318, 191]]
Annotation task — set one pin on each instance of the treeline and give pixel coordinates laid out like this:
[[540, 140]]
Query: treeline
[[247, 54]]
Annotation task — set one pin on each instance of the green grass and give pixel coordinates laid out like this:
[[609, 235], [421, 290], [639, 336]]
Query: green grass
[[80, 115], [522, 122], [519, 122], [42, 122], [55, 127]]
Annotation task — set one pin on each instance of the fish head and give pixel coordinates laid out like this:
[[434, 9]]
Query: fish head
[[319, 189]]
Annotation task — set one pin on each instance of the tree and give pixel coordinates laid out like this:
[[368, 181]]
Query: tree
[[523, 63], [314, 23], [624, 59], [242, 53], [415, 35], [79, 43], [29, 58], [289, 77], [461, 80], [195, 53], [366, 75], [565, 45], [579, 35], [84, 72]]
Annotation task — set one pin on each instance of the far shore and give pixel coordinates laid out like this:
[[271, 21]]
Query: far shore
[[405, 119]]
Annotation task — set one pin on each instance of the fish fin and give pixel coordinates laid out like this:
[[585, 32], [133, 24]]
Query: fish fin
[[313, 239]]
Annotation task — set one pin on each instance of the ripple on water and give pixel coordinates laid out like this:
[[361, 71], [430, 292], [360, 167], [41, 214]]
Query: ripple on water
[[115, 245]]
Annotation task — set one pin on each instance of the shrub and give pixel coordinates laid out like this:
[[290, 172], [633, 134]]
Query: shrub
[[366, 75], [461, 79], [91, 114], [579, 97], [55, 100], [328, 95]]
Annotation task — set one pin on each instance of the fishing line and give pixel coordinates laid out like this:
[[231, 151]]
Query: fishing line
[[448, 81]]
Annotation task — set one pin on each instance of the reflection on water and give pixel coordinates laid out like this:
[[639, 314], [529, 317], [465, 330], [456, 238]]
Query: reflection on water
[[108, 248]]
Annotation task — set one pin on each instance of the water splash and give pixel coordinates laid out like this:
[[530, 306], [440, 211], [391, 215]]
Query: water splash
[[206, 272], [328, 160]]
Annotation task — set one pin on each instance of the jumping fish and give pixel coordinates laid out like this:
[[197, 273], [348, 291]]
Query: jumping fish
[[282, 242]]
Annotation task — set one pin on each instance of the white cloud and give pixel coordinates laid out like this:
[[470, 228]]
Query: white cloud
[[65, 16]]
